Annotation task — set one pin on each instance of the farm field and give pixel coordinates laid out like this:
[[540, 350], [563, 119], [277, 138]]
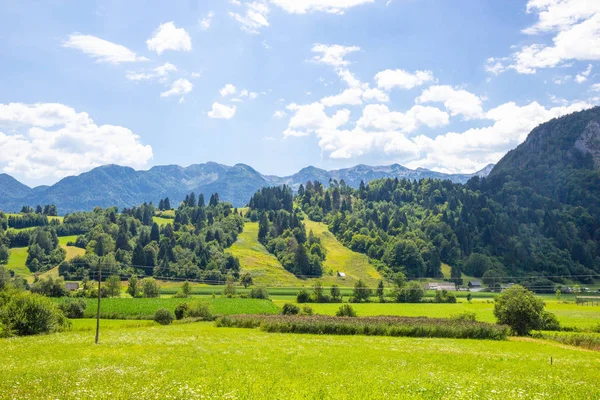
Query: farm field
[[128, 308], [569, 314], [140, 359], [266, 269]]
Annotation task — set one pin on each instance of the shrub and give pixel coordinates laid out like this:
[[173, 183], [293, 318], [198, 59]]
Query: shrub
[[290, 309], [374, 326], [306, 310], [113, 285], [466, 316], [50, 287], [361, 291], [30, 314], [518, 308], [412, 292], [181, 310], [259, 293], [150, 288], [443, 296], [163, 316], [346, 310], [73, 308], [549, 322], [133, 287], [303, 296], [197, 310], [200, 310]]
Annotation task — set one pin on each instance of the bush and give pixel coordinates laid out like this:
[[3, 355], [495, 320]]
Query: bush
[[372, 326], [150, 288], [443, 296], [197, 310], [466, 316], [412, 292], [259, 293], [200, 310], [549, 322], [306, 310], [73, 308], [290, 309], [518, 308], [346, 310], [50, 287], [361, 291], [31, 314], [181, 310], [163, 316], [303, 296]]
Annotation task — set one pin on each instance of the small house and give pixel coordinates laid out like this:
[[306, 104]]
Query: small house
[[341, 275], [72, 286], [475, 286]]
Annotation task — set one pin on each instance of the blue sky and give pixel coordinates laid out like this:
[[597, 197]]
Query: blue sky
[[282, 84]]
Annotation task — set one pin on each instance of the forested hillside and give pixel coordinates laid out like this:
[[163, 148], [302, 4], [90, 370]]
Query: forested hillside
[[538, 213]]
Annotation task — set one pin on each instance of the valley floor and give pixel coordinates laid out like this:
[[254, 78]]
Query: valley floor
[[139, 359]]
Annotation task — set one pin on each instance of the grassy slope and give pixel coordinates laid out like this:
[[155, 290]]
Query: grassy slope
[[266, 269], [163, 221], [139, 360], [18, 256]]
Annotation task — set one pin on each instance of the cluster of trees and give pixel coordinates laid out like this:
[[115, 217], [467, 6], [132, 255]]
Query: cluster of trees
[[130, 243], [282, 232], [27, 220], [44, 252], [164, 204], [414, 226], [49, 210]]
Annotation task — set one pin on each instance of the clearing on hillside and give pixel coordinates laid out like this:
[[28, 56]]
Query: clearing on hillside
[[266, 269]]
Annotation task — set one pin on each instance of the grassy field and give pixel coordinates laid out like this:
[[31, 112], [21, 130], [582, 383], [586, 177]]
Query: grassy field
[[16, 261], [18, 256], [266, 269], [72, 251], [187, 361], [162, 221], [128, 308]]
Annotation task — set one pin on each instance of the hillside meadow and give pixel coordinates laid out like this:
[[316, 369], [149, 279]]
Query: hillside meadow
[[140, 359], [266, 269]]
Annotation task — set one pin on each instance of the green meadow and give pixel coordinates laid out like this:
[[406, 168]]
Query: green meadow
[[140, 359], [266, 269]]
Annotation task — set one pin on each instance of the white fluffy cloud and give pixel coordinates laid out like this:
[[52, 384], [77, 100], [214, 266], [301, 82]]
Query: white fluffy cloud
[[168, 37], [583, 76], [333, 54], [220, 111], [474, 148], [329, 6], [206, 22], [398, 78], [378, 117], [255, 17], [227, 90], [351, 96], [160, 72], [456, 101], [575, 25], [179, 87], [52, 140], [102, 50]]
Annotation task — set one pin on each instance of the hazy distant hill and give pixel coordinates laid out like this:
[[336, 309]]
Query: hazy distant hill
[[113, 185]]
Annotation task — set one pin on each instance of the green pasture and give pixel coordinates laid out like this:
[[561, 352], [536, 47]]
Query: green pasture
[[128, 308], [266, 269], [140, 359]]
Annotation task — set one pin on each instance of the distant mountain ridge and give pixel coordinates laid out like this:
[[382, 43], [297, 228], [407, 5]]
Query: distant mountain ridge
[[114, 185]]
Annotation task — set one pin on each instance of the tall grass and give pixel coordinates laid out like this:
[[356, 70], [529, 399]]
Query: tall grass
[[371, 326], [586, 340]]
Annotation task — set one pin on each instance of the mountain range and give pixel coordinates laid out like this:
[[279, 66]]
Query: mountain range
[[114, 185]]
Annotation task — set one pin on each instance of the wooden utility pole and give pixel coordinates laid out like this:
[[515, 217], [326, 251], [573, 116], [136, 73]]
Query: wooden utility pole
[[99, 296]]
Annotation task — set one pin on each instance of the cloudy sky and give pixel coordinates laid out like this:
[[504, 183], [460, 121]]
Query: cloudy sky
[[282, 84]]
